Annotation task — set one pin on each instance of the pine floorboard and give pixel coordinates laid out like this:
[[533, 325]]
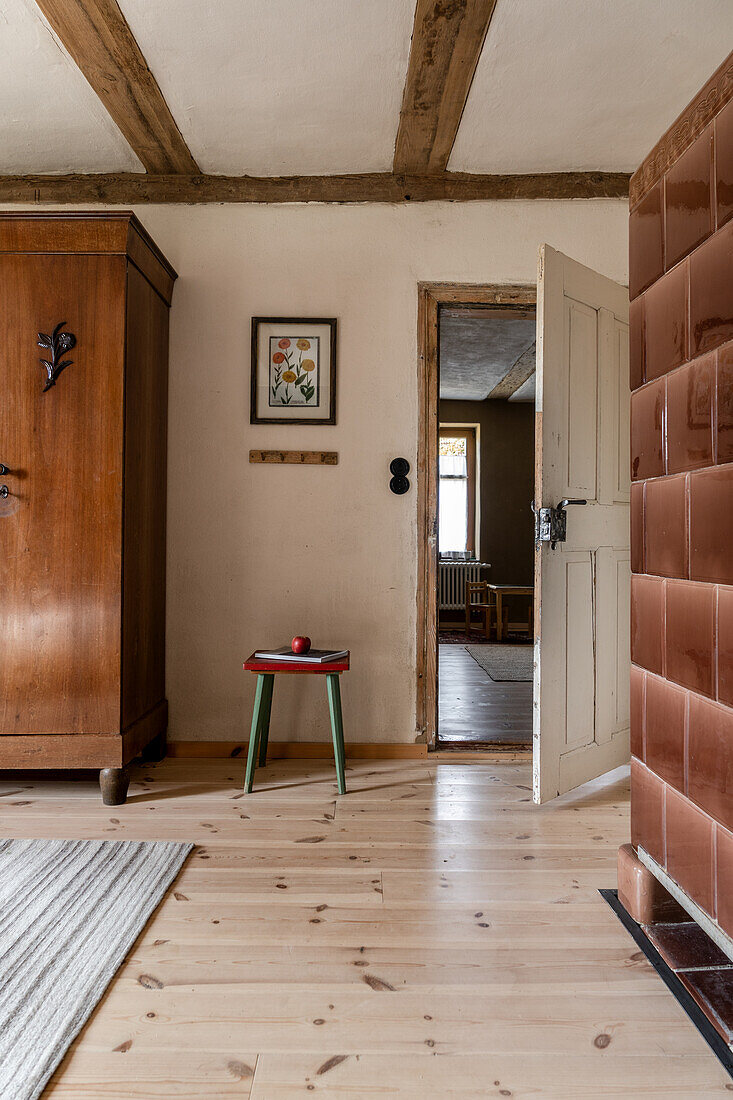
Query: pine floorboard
[[432, 934]]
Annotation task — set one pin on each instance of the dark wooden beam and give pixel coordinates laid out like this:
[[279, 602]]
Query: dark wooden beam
[[513, 313], [130, 188], [96, 35], [447, 38], [517, 375]]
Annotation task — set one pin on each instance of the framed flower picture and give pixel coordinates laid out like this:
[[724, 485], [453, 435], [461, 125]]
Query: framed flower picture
[[293, 370]]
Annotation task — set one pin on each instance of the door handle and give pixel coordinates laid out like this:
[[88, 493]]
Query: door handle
[[3, 469], [550, 524], [4, 491]]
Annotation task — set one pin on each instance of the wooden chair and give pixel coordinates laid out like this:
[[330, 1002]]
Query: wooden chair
[[486, 605]]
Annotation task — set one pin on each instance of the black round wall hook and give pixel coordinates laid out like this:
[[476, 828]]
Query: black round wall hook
[[399, 468]]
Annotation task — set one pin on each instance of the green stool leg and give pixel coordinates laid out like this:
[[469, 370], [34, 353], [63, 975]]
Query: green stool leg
[[265, 719], [337, 728], [342, 747], [254, 733]]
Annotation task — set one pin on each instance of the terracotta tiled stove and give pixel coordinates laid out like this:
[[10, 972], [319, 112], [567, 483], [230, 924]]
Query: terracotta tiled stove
[[681, 329]]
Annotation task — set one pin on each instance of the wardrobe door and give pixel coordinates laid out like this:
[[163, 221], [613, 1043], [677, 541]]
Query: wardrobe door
[[61, 521]]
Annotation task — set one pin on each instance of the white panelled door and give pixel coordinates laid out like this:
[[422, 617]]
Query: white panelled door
[[581, 686]]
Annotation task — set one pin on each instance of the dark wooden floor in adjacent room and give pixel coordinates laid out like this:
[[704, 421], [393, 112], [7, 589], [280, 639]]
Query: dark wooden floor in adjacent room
[[474, 708]]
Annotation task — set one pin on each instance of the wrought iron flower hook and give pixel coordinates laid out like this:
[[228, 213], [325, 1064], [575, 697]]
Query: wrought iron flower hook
[[58, 344]]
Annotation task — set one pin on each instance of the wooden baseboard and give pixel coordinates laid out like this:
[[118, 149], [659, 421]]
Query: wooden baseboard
[[481, 756], [294, 750], [322, 750]]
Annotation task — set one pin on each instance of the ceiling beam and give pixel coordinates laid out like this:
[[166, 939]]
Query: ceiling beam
[[135, 187], [96, 35], [517, 375], [483, 312], [447, 38]]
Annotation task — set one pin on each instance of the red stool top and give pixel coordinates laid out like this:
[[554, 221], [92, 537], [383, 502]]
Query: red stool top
[[253, 664]]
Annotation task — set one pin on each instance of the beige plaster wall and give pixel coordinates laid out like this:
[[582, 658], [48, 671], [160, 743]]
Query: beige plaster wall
[[258, 553]]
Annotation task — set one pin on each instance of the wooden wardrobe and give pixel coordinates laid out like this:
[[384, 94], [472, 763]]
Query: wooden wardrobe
[[82, 493]]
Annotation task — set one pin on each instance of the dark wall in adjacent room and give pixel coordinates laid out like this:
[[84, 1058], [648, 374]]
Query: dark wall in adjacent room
[[506, 465]]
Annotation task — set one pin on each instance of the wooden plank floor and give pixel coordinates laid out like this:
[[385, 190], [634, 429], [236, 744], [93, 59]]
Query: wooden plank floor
[[474, 708], [432, 934]]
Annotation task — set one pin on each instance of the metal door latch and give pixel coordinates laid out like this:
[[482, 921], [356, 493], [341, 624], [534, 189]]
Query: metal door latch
[[550, 524]]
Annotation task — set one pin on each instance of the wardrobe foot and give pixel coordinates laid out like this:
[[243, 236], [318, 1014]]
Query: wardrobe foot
[[114, 783]]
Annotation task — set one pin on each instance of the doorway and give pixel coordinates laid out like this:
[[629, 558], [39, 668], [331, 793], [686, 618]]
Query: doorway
[[475, 487], [580, 696]]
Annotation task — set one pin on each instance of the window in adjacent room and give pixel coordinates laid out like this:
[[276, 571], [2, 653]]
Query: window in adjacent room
[[457, 492]]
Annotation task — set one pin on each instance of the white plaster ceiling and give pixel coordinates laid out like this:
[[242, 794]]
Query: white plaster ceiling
[[566, 85], [476, 352], [280, 87], [50, 119]]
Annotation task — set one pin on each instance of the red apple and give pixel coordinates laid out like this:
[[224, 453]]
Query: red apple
[[300, 644]]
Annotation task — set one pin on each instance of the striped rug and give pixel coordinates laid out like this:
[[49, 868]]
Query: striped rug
[[504, 662], [70, 910]]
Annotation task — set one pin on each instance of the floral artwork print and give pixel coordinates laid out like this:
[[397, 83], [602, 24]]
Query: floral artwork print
[[294, 371]]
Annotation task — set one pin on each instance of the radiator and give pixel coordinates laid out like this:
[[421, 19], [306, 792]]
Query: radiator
[[453, 577]]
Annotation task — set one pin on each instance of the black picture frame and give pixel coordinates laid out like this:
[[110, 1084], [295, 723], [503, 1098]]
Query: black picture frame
[[254, 415]]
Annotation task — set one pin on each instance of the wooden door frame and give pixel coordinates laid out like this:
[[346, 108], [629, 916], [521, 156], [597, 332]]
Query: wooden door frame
[[430, 297]]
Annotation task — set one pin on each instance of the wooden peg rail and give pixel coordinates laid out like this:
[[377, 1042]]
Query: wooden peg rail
[[297, 458]]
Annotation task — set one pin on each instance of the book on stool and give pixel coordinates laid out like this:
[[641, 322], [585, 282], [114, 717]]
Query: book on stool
[[313, 656]]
